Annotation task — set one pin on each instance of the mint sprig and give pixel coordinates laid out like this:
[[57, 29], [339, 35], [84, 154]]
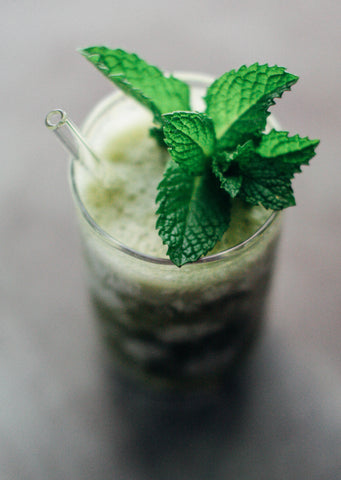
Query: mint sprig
[[216, 156]]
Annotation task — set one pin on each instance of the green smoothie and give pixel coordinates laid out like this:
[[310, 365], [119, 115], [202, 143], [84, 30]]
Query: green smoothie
[[167, 325]]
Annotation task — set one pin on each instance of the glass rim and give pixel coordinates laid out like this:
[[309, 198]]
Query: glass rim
[[117, 244]]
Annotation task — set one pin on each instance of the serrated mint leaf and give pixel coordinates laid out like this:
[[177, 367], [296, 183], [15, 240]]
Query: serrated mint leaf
[[194, 213], [144, 82], [227, 171], [238, 101], [273, 193], [265, 182], [190, 138], [279, 147]]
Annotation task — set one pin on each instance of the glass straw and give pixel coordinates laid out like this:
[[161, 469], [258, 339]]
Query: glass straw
[[58, 121]]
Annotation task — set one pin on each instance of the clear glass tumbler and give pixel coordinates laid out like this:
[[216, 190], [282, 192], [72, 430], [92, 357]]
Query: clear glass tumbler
[[173, 327]]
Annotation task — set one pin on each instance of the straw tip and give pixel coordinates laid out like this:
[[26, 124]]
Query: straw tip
[[55, 119]]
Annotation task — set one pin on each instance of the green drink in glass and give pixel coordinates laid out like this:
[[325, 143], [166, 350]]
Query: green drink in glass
[[168, 326]]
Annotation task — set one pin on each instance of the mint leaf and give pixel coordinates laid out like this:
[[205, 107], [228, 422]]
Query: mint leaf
[[190, 138], [228, 173], [265, 182], [267, 190], [137, 78], [193, 213], [238, 101], [294, 151]]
